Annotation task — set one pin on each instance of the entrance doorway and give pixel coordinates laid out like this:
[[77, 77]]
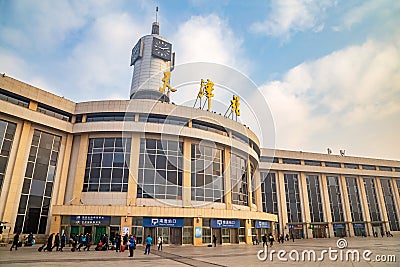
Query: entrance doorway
[[218, 235], [152, 232], [100, 231], [175, 236]]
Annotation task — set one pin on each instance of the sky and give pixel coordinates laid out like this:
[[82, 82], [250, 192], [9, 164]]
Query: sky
[[329, 70]]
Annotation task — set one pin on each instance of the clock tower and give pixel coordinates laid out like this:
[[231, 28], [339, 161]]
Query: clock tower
[[151, 56]]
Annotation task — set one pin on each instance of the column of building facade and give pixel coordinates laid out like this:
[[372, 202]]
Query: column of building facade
[[305, 204], [364, 204], [346, 205], [227, 179], [257, 183], [382, 205], [249, 185], [187, 181], [133, 170], [282, 200], [60, 181], [327, 206], [80, 169], [17, 178]]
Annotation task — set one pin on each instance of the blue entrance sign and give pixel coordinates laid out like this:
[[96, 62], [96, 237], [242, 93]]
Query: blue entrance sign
[[162, 222], [225, 223], [358, 225], [88, 220], [263, 224], [198, 232]]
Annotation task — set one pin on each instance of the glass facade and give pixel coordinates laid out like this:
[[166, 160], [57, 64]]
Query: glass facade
[[372, 199], [268, 193], [160, 169], [107, 165], [207, 180], [293, 199], [354, 199], [314, 198], [390, 204], [38, 183], [7, 132], [335, 198], [253, 183], [239, 184]]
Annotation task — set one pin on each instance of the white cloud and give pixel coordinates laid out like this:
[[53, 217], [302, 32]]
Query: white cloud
[[289, 16], [208, 39], [345, 100]]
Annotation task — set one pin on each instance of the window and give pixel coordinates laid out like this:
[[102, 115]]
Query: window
[[314, 198], [268, 193], [291, 161], [209, 127], [37, 188], [239, 186], [312, 163], [110, 116], [163, 119], [269, 159], [7, 132], [332, 164], [293, 201], [385, 168], [368, 167], [390, 204], [207, 173], [107, 165], [354, 199], [14, 98], [160, 169], [335, 198], [53, 112], [372, 199], [351, 166]]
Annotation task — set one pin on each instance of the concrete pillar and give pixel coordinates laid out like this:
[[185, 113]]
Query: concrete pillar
[[17, 179], [187, 179], [282, 200], [80, 169], [305, 204], [382, 205], [346, 206], [247, 224], [133, 170], [197, 223], [55, 224], [33, 105], [126, 222], [257, 184], [327, 206], [249, 186], [364, 204], [227, 178]]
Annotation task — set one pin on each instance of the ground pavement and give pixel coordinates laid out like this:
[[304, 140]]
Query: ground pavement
[[227, 255]]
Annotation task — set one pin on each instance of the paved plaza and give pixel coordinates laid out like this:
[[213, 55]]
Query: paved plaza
[[227, 255]]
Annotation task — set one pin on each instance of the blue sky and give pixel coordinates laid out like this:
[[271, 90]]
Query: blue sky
[[330, 70]]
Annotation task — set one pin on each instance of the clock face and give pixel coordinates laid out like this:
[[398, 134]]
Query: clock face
[[136, 52], [161, 49]]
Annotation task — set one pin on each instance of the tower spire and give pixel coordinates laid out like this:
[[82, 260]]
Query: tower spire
[[155, 28]]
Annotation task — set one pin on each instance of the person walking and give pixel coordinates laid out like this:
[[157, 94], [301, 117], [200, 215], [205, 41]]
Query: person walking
[[56, 242], [271, 239], [264, 240], [15, 242], [214, 240], [149, 241], [132, 245], [117, 243], [88, 242], [292, 237], [287, 237], [160, 242], [49, 243], [63, 240]]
